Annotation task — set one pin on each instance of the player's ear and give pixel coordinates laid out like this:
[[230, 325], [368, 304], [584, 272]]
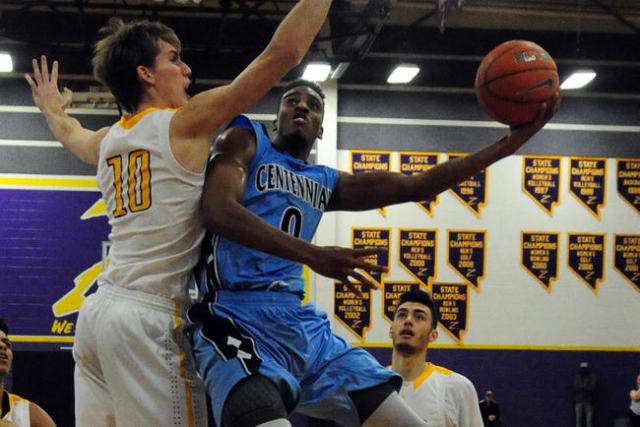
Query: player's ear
[[320, 132], [145, 74], [433, 335], [274, 125], [391, 332]]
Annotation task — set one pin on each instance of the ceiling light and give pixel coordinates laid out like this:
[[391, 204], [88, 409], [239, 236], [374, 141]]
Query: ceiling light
[[578, 79], [339, 70], [317, 72], [6, 64], [403, 73]]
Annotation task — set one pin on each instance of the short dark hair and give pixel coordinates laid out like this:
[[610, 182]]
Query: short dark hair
[[422, 297], [123, 47], [307, 83], [3, 326]]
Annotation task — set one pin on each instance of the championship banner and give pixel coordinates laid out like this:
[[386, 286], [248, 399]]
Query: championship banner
[[366, 238], [412, 163], [452, 304], [541, 180], [585, 257], [391, 292], [587, 182], [472, 192], [539, 256], [352, 311], [363, 161], [628, 176], [417, 253], [466, 254], [626, 257], [52, 238]]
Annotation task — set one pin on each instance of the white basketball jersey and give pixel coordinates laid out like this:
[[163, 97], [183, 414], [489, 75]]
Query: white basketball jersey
[[443, 398], [152, 203], [19, 412]]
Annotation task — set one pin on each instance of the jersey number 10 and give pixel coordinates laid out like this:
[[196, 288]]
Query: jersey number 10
[[138, 182]]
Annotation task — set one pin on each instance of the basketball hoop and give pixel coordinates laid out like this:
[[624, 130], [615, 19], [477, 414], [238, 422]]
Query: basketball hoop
[[443, 7]]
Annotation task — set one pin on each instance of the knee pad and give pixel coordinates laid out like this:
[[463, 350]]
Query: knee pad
[[253, 401], [367, 400]]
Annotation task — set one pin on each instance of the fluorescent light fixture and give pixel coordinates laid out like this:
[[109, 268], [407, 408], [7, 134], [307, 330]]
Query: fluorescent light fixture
[[403, 73], [6, 64], [578, 79], [317, 72], [339, 70]]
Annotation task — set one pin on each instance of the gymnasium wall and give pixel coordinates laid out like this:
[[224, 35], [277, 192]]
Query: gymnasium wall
[[521, 339]]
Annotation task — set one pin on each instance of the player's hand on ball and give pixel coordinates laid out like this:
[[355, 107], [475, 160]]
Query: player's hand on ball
[[521, 134]]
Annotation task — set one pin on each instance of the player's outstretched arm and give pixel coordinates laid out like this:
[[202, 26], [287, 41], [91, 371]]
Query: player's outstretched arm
[[224, 214], [84, 143], [373, 190], [208, 110]]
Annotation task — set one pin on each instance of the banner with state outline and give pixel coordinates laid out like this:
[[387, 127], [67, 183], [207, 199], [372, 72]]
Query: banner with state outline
[[365, 161]]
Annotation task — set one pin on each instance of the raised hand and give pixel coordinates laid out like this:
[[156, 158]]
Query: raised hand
[[44, 88], [341, 264], [82, 142]]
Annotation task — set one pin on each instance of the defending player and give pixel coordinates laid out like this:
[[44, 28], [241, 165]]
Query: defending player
[[439, 396], [261, 353], [133, 363]]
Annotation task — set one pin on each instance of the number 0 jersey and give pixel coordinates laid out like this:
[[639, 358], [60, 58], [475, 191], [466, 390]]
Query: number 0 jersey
[[152, 204], [286, 192]]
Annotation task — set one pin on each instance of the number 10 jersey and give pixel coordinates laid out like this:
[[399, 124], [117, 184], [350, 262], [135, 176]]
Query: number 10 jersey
[[152, 204]]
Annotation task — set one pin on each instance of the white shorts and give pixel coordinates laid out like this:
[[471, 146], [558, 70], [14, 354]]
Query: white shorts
[[134, 365]]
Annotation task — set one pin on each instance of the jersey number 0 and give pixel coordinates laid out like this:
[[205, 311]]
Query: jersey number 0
[[137, 178]]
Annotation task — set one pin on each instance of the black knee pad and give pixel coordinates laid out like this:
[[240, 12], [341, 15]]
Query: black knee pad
[[367, 400], [253, 401]]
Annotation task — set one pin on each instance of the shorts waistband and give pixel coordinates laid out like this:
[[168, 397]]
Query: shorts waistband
[[119, 293], [257, 297]]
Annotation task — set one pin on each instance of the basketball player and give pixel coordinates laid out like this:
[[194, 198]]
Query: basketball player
[[134, 366], [260, 352], [14, 410], [439, 396]]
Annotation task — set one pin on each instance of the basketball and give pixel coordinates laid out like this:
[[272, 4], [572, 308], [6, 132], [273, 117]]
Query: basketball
[[514, 79]]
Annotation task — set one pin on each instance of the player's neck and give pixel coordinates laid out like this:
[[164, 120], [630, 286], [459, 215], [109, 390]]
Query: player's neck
[[409, 367], [296, 147], [145, 104], [151, 99], [4, 403]]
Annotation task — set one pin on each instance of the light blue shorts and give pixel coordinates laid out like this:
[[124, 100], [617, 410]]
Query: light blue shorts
[[271, 333]]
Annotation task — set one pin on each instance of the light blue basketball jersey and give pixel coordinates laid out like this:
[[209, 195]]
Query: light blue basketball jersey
[[286, 192]]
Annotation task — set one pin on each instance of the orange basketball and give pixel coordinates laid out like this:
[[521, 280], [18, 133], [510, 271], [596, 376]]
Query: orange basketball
[[514, 79]]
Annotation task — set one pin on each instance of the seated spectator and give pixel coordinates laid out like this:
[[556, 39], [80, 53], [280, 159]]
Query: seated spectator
[[14, 410]]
